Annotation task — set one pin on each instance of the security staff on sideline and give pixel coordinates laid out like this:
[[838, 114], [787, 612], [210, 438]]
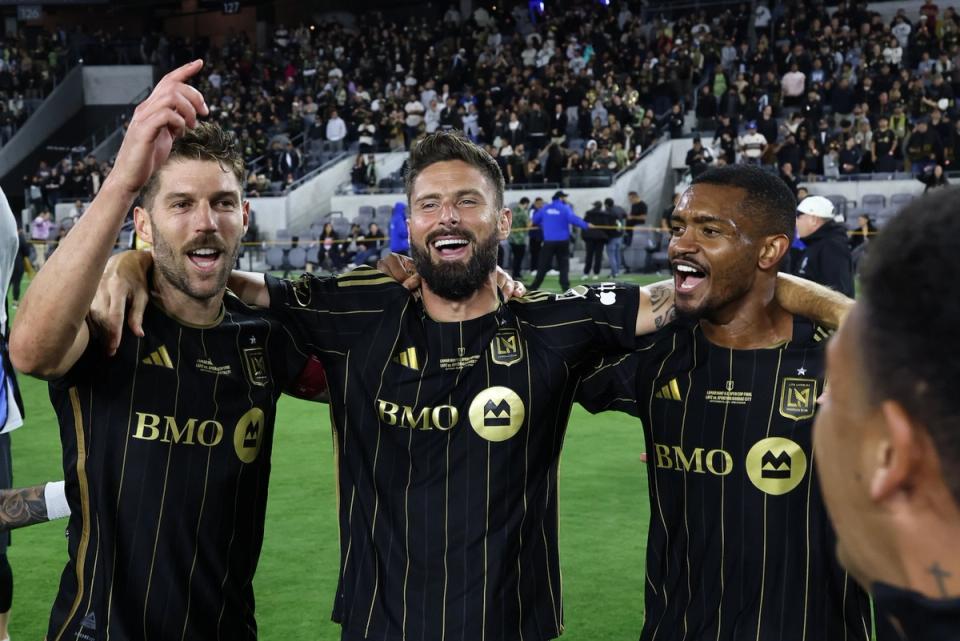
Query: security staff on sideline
[[555, 220], [826, 257]]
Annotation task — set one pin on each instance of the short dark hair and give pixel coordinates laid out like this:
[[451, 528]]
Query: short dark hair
[[768, 202], [910, 283], [206, 141], [608, 202], [453, 145]]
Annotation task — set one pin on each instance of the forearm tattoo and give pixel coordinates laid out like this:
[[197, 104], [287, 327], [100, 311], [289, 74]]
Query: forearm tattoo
[[22, 506], [662, 305]]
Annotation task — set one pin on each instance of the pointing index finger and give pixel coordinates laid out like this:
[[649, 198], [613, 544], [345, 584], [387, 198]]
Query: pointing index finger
[[185, 72]]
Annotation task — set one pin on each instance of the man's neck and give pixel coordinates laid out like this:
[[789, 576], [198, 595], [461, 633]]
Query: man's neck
[[927, 551], [183, 307], [444, 310], [755, 321]]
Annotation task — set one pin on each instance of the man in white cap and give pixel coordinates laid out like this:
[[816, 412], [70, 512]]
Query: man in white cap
[[826, 257]]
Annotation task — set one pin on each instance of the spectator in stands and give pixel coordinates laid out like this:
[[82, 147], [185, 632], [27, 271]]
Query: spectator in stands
[[793, 85], [934, 178], [826, 257], [594, 239], [884, 147], [537, 127], [850, 157], [767, 126], [923, 148], [336, 131], [367, 135], [699, 158], [415, 112], [706, 109], [369, 246], [674, 121], [331, 248], [399, 234], [288, 160], [752, 145], [831, 161], [352, 248], [787, 176], [358, 174], [518, 237]]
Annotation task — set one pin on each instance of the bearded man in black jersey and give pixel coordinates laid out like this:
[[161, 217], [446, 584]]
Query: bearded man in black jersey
[[739, 544], [166, 446]]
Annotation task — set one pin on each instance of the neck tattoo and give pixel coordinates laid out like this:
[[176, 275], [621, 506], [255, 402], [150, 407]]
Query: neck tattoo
[[940, 575]]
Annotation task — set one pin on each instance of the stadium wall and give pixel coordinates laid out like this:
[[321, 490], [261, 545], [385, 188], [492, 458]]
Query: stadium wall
[[115, 84]]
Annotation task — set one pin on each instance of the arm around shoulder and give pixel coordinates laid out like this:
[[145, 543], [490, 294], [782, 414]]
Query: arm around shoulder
[[805, 298]]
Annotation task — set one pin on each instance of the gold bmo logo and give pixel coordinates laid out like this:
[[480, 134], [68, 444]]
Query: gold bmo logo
[[497, 413], [776, 465]]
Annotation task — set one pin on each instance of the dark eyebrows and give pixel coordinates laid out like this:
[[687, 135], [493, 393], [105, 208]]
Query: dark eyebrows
[[703, 219], [457, 195]]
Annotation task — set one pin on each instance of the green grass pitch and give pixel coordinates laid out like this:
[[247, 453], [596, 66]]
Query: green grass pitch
[[603, 510]]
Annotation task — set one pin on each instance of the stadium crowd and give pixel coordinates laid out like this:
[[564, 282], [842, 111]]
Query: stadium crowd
[[832, 95]]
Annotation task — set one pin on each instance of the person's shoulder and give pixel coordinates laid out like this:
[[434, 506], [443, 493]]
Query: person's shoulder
[[808, 334]]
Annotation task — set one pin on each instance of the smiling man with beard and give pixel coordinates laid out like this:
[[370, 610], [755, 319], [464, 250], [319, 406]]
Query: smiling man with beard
[[739, 543], [449, 412], [166, 446]]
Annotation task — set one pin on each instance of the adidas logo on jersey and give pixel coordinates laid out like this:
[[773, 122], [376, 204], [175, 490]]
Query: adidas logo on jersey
[[159, 357], [407, 358], [669, 392]]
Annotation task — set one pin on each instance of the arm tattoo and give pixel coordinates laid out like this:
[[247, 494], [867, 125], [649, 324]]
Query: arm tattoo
[[940, 576], [662, 305], [22, 506]]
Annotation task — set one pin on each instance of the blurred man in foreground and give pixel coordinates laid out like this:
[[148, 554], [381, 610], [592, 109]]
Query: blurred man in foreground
[[887, 438]]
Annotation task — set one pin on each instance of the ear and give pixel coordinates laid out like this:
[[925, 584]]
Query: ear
[[246, 216], [772, 251], [141, 222], [897, 452], [504, 223]]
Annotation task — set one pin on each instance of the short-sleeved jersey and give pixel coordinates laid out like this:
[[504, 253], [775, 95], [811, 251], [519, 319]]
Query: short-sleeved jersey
[[166, 455], [448, 437], [739, 544]]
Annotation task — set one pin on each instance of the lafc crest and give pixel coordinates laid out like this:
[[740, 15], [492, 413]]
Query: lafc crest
[[506, 348], [256, 367], [798, 398]]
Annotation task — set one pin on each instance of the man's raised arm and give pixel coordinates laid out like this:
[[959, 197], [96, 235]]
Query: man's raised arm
[[49, 334]]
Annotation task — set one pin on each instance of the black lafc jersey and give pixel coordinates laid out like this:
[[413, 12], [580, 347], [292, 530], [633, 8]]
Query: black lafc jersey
[[739, 545], [448, 438], [166, 452]]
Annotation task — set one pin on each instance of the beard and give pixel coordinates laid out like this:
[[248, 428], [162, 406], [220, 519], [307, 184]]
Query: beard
[[453, 280], [166, 262]]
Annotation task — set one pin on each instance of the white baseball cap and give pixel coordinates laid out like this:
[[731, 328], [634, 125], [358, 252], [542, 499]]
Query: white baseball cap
[[816, 206]]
